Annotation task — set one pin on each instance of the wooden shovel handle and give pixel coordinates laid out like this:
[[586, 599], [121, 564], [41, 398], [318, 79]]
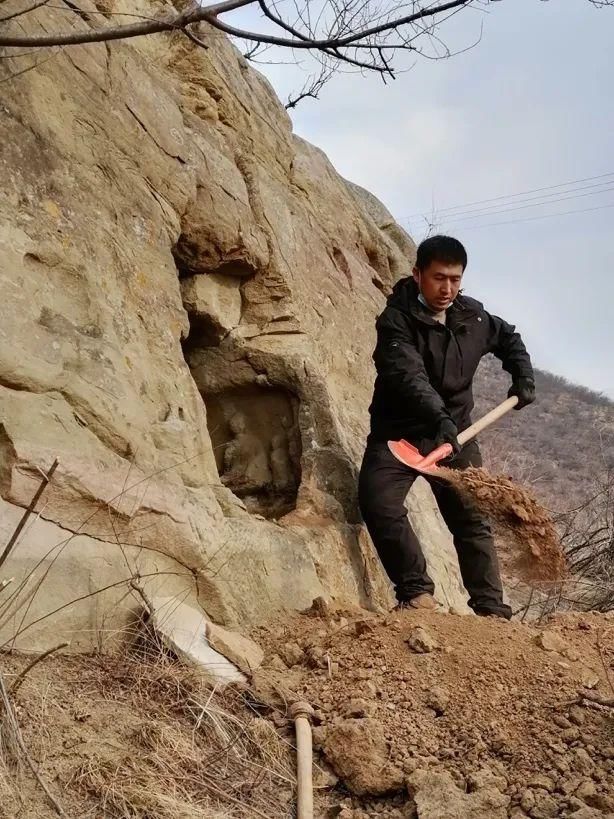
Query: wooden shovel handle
[[490, 417]]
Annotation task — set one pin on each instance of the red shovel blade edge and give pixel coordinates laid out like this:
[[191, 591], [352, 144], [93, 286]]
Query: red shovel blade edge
[[407, 454]]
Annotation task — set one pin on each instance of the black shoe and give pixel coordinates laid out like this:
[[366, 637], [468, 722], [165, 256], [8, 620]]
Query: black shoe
[[500, 615]]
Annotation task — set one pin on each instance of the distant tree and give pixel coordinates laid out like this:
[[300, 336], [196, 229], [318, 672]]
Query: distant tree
[[587, 534], [366, 35]]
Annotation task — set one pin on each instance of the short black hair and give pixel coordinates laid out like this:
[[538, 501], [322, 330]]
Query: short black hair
[[443, 249]]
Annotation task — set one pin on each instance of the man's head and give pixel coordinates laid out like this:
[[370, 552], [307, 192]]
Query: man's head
[[439, 269]]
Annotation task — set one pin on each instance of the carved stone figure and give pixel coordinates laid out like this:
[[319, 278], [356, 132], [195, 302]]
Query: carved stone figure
[[281, 465], [293, 448], [246, 466]]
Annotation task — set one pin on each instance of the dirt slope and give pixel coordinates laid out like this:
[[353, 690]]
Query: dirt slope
[[477, 706], [417, 715]]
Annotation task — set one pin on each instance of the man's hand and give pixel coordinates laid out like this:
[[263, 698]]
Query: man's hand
[[524, 388], [447, 434]]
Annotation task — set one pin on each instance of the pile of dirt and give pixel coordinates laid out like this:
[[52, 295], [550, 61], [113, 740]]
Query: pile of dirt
[[437, 715], [418, 715], [537, 554]]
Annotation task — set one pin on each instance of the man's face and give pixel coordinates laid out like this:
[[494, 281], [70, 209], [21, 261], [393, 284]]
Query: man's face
[[439, 284]]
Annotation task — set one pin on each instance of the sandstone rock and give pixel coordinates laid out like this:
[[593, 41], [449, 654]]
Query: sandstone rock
[[550, 641], [358, 753], [569, 785], [588, 678], [322, 607], [365, 627], [214, 300], [539, 780], [277, 663], [180, 258], [437, 797], [240, 650], [585, 790], [422, 641], [318, 734], [527, 800], [324, 777], [486, 778], [570, 735], [546, 807], [586, 813], [582, 761], [358, 708], [577, 715], [437, 698], [292, 653], [184, 630]]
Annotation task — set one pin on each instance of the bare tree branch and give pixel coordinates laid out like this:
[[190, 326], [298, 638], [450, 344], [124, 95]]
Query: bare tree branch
[[23, 11], [362, 34], [210, 14], [312, 87]]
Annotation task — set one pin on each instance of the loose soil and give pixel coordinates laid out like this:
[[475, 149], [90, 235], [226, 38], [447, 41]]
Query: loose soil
[[485, 703], [537, 554], [503, 715]]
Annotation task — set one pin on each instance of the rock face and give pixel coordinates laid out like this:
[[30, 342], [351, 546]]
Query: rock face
[[187, 300]]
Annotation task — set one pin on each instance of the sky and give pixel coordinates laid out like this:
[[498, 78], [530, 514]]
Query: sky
[[530, 106]]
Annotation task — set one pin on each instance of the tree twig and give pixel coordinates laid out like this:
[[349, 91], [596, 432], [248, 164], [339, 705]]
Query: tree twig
[[604, 664], [138, 588], [14, 725], [28, 512], [24, 11], [211, 14], [22, 674]]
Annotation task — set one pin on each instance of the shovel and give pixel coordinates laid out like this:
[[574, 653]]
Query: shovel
[[429, 464]]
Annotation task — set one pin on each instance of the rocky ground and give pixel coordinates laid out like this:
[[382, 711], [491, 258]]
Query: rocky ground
[[436, 715], [418, 715]]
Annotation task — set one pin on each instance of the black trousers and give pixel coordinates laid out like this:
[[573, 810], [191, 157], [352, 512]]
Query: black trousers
[[382, 489]]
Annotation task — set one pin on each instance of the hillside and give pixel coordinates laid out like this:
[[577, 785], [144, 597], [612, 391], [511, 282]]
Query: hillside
[[561, 444]]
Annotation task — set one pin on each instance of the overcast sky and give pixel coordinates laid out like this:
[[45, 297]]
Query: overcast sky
[[531, 106]]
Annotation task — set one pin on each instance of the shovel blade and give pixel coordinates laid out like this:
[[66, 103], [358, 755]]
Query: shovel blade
[[407, 454]]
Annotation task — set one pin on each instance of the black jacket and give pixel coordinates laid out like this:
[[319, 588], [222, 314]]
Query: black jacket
[[425, 369]]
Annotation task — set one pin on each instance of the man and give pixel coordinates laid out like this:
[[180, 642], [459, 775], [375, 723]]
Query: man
[[430, 340]]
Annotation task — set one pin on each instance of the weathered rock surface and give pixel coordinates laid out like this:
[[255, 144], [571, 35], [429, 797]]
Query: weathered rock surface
[[240, 650], [422, 641], [358, 752], [550, 641], [184, 630], [187, 301], [437, 797]]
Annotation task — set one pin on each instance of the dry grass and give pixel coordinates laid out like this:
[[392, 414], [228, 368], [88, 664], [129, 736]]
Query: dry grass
[[200, 752], [11, 768], [148, 738]]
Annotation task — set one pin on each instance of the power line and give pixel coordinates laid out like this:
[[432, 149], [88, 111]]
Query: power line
[[542, 216], [513, 195], [531, 202], [523, 207]]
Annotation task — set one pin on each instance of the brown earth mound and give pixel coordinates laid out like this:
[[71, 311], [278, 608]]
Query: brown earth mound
[[481, 719], [492, 720], [538, 552]]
